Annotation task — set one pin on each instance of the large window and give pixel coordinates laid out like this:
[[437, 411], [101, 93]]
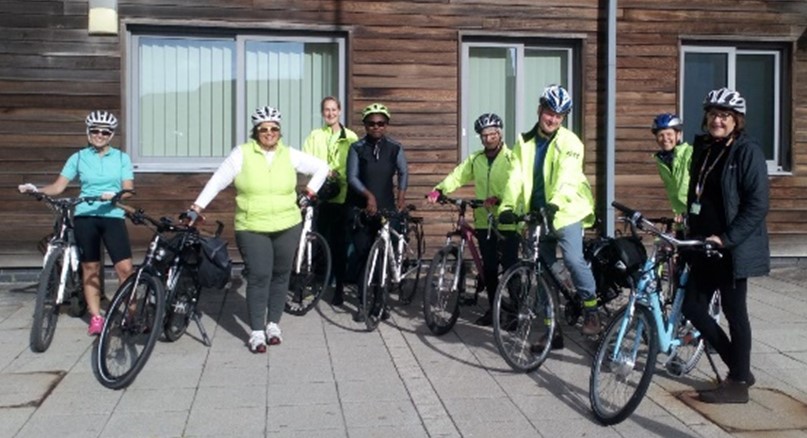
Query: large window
[[507, 78], [758, 74], [190, 98]]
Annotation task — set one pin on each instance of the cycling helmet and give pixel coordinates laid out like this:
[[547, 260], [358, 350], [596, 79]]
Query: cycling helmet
[[557, 99], [487, 120], [102, 119], [665, 121], [725, 98], [266, 114], [375, 108]]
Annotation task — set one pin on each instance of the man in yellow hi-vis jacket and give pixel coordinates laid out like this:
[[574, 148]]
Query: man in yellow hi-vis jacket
[[551, 159]]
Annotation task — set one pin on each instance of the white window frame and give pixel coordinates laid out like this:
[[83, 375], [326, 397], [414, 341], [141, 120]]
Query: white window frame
[[525, 117], [209, 164], [775, 165]]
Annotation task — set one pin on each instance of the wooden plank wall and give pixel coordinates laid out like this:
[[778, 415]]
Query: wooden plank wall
[[402, 53]]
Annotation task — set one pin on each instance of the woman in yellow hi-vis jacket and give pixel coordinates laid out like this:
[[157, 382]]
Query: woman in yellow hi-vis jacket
[[552, 177], [490, 169]]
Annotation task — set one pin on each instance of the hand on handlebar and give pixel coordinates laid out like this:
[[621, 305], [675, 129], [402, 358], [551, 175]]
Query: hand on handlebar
[[433, 196], [27, 188], [491, 202], [191, 215], [306, 198]]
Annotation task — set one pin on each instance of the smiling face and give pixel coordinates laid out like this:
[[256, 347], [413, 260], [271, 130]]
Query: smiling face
[[268, 134], [720, 122], [375, 125], [99, 136], [549, 121], [668, 138], [331, 112], [491, 138]]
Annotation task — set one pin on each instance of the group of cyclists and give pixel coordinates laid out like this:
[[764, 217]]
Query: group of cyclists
[[717, 190]]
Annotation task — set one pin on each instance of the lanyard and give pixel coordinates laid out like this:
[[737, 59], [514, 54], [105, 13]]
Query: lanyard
[[703, 174]]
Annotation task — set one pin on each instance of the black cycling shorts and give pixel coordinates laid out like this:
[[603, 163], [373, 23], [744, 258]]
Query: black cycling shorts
[[90, 230]]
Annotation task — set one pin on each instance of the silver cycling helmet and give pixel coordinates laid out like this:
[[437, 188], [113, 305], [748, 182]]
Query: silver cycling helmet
[[266, 114], [487, 120], [725, 98], [101, 119]]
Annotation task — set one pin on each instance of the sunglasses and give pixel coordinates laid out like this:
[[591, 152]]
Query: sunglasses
[[379, 124], [104, 132], [264, 129]]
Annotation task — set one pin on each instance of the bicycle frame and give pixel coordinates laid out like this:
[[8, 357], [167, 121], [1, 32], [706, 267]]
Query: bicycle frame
[[63, 235], [465, 233], [304, 246]]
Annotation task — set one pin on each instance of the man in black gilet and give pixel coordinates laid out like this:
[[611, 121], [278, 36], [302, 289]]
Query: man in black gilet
[[371, 164]]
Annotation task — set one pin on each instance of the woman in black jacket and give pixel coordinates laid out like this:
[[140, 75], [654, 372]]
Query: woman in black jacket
[[727, 205]]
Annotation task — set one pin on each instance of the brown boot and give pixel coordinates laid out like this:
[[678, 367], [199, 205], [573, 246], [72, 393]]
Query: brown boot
[[591, 323], [730, 391]]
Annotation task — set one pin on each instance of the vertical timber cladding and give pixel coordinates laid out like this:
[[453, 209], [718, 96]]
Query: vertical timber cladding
[[402, 53]]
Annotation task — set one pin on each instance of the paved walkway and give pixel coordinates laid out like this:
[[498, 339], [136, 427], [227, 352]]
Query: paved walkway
[[331, 379]]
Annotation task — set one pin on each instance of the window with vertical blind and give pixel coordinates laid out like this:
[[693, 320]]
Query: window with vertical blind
[[190, 98], [758, 72], [507, 77]]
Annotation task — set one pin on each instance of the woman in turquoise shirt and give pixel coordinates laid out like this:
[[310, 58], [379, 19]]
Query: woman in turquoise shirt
[[102, 171]]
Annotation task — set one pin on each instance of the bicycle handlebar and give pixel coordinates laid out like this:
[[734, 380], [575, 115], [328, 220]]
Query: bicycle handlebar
[[63, 202], [460, 202], [638, 221]]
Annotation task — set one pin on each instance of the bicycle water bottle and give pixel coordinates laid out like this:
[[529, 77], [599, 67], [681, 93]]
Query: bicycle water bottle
[[562, 275]]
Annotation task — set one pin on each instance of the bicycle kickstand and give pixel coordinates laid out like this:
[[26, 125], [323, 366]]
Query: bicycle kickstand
[[198, 318], [706, 348]]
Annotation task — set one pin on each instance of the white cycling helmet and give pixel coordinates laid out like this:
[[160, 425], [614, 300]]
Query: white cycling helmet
[[266, 114], [725, 98], [101, 119]]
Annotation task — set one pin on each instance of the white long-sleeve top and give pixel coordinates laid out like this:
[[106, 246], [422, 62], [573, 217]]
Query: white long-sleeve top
[[231, 167]]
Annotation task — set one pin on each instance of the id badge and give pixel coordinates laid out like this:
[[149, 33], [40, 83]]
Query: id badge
[[695, 209]]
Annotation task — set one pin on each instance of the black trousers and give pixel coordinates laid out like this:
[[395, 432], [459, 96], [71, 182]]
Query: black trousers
[[490, 251], [331, 223], [734, 348]]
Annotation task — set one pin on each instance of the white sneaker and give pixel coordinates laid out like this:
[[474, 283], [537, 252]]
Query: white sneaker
[[273, 334], [257, 342]]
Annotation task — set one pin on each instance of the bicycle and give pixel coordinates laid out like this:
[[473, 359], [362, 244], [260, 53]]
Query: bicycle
[[60, 280], [626, 356], [524, 307], [446, 278], [311, 270], [160, 297], [392, 258]]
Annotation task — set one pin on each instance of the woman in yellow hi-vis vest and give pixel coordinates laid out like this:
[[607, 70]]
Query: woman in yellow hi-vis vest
[[267, 217]]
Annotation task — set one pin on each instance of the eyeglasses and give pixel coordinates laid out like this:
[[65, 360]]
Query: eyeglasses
[[379, 124], [104, 132], [264, 129], [722, 115]]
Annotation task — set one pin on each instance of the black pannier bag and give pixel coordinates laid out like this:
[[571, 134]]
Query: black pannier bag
[[329, 189], [215, 266], [616, 263]]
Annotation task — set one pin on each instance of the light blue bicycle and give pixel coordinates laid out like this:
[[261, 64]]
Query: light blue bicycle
[[646, 326]]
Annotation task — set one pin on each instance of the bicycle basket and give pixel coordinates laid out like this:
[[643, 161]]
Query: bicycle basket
[[215, 267]]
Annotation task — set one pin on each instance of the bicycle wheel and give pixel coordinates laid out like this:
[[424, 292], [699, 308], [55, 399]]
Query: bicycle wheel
[[46, 311], [307, 286], [523, 318], [441, 305], [181, 304], [375, 287], [412, 264], [621, 372], [692, 346], [133, 324]]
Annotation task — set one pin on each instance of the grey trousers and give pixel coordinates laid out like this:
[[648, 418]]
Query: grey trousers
[[268, 259]]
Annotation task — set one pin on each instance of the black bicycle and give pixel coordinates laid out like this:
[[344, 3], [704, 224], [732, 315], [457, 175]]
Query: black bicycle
[[161, 297]]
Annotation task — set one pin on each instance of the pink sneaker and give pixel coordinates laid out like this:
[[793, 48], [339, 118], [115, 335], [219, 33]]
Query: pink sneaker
[[96, 325]]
